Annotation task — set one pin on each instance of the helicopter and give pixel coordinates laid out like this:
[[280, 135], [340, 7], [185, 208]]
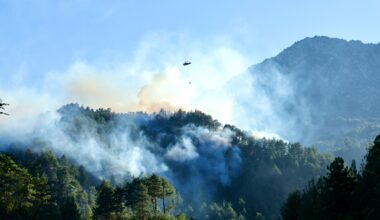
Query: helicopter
[[185, 64], [2, 104]]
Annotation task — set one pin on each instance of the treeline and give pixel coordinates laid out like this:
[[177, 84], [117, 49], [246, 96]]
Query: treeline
[[42, 186], [343, 193]]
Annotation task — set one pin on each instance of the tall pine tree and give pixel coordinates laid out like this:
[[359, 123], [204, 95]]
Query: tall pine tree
[[142, 210]]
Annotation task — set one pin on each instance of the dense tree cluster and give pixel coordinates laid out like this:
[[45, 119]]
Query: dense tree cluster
[[271, 169], [144, 198], [41, 186], [343, 193], [22, 195]]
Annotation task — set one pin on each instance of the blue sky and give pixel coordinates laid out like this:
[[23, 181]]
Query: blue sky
[[44, 35], [46, 45]]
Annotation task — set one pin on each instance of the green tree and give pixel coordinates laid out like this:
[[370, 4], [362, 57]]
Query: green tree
[[167, 192], [69, 210], [290, 210], [142, 210], [43, 207], [17, 191], [367, 197], [154, 190], [105, 201], [339, 189]]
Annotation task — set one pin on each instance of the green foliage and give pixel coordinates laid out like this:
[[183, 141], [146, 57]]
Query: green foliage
[[55, 192], [219, 212], [142, 206], [17, 189], [366, 197], [155, 190], [166, 195], [291, 208], [138, 199], [22, 195], [105, 203], [49, 182], [338, 190], [271, 170], [69, 210], [343, 193]]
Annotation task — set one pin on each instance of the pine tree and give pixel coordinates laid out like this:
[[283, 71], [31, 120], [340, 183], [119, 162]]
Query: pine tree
[[42, 206], [17, 191], [367, 200], [339, 189], [353, 171], [105, 201], [142, 204], [154, 190], [291, 208], [69, 210], [167, 191]]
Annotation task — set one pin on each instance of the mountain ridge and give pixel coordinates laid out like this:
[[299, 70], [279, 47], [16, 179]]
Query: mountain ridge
[[326, 80]]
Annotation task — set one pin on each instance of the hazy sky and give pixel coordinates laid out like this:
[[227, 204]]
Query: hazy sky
[[43, 40]]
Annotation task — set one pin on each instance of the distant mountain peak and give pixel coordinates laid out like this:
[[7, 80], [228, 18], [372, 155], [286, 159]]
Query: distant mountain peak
[[324, 79]]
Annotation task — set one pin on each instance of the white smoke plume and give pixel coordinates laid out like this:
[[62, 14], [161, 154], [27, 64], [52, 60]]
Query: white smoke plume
[[182, 151], [153, 79]]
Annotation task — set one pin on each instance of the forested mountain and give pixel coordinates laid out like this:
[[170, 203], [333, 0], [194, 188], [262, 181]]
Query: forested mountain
[[320, 91], [219, 171]]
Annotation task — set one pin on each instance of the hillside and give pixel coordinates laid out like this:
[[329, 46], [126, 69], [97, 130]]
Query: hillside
[[320, 91]]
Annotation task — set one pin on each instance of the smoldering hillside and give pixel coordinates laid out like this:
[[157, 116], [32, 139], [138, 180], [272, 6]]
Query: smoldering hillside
[[205, 160]]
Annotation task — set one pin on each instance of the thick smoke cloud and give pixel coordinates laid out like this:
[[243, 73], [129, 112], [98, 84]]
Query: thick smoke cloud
[[200, 159], [116, 157], [182, 151]]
